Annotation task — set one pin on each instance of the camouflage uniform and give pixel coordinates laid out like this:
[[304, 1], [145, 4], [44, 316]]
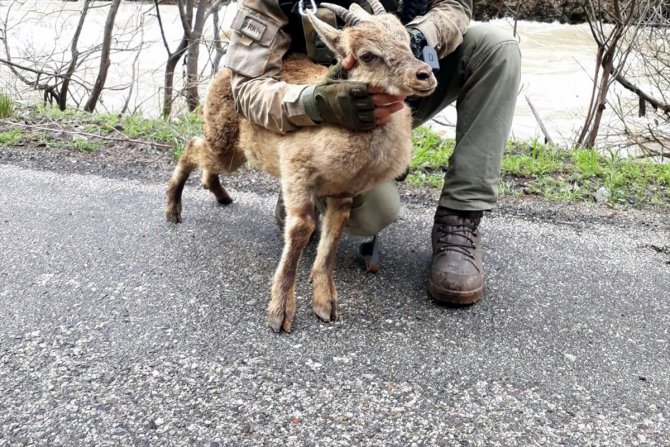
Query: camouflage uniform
[[479, 69]]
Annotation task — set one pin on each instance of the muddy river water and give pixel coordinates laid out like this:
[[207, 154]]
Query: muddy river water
[[557, 60]]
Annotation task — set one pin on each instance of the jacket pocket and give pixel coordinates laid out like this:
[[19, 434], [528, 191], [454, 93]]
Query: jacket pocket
[[251, 42]]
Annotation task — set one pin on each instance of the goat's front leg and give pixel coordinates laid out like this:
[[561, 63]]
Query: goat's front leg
[[298, 228], [324, 300]]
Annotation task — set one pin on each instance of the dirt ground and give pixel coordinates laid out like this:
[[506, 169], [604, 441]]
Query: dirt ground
[[145, 163]]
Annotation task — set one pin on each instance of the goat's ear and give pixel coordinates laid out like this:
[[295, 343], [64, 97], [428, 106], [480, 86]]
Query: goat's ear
[[329, 35]]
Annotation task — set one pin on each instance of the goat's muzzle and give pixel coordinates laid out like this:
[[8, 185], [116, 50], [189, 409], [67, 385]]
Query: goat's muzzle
[[424, 82], [423, 75]]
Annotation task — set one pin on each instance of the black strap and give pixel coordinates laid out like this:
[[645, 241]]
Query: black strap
[[413, 8]]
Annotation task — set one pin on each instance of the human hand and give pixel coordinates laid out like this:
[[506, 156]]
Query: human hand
[[342, 102], [384, 104]]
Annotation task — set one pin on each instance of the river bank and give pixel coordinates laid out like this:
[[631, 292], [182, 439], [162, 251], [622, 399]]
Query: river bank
[[556, 67], [146, 148]]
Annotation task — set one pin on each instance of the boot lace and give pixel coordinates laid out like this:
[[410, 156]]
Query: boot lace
[[458, 237]]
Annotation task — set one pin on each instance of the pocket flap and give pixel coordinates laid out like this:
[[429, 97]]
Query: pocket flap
[[254, 26]]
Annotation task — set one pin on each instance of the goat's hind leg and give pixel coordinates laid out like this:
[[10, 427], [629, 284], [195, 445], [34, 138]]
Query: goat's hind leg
[[198, 153], [186, 164], [222, 156], [324, 293], [299, 226], [211, 182]]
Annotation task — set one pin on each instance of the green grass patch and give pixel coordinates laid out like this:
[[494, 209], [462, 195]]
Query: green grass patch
[[431, 152], [430, 158], [85, 145], [44, 138], [537, 169], [532, 160], [425, 179], [175, 133], [587, 162], [55, 114], [104, 124], [6, 106], [11, 137], [528, 168]]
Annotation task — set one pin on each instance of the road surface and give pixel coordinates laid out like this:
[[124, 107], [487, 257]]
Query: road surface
[[119, 328]]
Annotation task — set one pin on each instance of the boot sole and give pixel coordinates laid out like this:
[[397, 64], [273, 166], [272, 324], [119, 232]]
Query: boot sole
[[454, 297]]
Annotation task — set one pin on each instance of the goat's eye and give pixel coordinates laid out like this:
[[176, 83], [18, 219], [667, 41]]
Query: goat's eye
[[367, 57]]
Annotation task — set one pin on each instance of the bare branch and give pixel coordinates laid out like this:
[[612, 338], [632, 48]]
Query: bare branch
[[547, 137], [656, 104], [31, 70], [186, 15]]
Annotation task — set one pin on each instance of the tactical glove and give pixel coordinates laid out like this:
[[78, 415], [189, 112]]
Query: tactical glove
[[338, 101]]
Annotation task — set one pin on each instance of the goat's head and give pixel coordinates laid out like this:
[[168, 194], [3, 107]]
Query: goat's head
[[380, 45]]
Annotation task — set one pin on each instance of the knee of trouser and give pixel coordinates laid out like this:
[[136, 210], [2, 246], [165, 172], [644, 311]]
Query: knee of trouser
[[375, 212], [494, 45]]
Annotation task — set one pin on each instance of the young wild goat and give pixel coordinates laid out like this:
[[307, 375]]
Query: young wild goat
[[325, 161]]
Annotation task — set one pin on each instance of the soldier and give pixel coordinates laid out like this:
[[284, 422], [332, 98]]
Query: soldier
[[478, 67]]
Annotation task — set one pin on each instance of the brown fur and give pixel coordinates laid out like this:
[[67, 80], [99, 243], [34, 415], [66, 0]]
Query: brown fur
[[322, 161]]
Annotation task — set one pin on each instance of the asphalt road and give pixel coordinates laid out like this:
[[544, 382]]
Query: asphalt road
[[118, 328]]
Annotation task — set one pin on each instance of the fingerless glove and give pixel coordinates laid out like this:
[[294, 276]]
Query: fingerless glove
[[339, 101]]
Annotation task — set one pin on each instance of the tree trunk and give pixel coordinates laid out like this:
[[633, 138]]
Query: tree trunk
[[104, 58], [168, 88], [594, 93], [600, 103], [609, 47], [186, 16], [192, 94], [67, 77], [217, 42]]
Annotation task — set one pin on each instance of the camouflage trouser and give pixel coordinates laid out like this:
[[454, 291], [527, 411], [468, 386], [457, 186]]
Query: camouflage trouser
[[482, 76]]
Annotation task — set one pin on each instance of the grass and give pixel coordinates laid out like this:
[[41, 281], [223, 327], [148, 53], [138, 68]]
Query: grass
[[431, 156], [6, 106], [174, 133], [536, 169], [85, 145], [528, 168], [534, 160], [11, 137]]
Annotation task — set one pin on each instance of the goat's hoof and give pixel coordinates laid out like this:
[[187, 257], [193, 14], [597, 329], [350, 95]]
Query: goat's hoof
[[325, 311], [173, 216], [280, 323], [275, 322], [219, 192]]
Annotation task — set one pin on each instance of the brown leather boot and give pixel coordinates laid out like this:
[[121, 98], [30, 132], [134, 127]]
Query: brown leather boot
[[456, 272]]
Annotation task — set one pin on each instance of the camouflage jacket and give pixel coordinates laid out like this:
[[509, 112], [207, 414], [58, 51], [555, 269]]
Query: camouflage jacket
[[260, 41]]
